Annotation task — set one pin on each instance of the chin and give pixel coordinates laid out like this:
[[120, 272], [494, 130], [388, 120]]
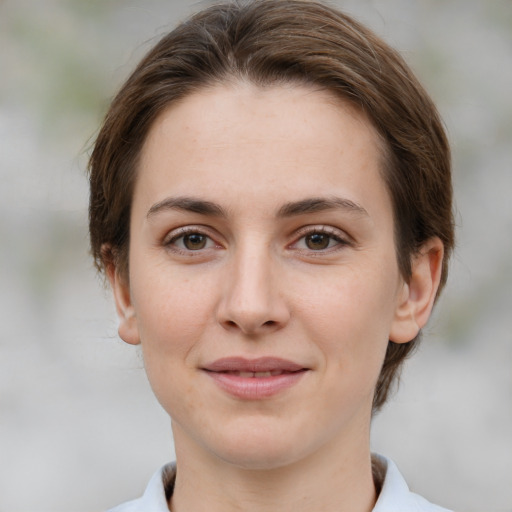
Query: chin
[[259, 448]]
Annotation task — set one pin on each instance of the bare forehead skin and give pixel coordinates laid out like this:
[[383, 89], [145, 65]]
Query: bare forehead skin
[[254, 102]]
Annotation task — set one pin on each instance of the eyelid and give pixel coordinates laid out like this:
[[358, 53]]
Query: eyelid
[[183, 230], [343, 238], [337, 234], [175, 234]]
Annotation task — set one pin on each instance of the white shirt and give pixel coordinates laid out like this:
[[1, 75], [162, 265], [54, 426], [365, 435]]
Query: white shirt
[[394, 495]]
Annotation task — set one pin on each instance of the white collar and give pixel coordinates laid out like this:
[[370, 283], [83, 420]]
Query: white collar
[[394, 495]]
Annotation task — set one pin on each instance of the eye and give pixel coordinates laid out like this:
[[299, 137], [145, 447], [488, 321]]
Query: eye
[[320, 239], [190, 241], [194, 241]]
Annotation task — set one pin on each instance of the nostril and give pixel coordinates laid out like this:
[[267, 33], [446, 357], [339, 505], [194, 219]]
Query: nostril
[[248, 328]]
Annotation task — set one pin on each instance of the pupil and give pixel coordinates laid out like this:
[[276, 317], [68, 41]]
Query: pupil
[[194, 241], [317, 241]]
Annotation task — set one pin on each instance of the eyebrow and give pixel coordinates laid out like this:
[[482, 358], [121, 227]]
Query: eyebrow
[[187, 204], [291, 209], [318, 204]]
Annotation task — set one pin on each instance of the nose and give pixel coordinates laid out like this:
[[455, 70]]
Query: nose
[[252, 301]]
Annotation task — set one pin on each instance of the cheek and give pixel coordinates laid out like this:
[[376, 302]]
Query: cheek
[[172, 311], [349, 314], [171, 317]]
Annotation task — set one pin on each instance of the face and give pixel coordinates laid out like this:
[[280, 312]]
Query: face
[[263, 282]]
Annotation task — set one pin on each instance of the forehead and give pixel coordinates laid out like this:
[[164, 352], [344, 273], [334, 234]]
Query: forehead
[[261, 141], [250, 109]]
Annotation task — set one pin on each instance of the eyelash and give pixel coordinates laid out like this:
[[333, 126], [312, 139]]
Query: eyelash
[[332, 233], [170, 242]]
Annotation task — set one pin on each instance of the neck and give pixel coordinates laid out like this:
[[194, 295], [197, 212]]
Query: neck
[[333, 479]]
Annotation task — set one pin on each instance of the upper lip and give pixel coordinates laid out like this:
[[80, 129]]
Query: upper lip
[[261, 364]]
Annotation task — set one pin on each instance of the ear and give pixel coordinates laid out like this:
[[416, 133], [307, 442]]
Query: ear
[[128, 329], [418, 294]]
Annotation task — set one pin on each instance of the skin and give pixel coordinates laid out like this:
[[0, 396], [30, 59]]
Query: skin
[[262, 275]]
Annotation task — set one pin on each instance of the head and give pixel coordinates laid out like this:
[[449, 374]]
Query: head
[[271, 44]]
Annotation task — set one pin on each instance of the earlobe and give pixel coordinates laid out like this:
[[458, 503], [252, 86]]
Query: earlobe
[[418, 294], [128, 328]]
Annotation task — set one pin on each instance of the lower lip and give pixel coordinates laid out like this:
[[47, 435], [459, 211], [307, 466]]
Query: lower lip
[[255, 388]]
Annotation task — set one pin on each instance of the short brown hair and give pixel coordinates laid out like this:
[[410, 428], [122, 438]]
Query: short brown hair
[[270, 42]]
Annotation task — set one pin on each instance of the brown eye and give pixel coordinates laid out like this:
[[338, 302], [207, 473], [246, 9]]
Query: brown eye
[[317, 241], [195, 241]]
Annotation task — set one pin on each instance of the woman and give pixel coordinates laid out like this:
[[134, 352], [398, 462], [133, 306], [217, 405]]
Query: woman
[[271, 203]]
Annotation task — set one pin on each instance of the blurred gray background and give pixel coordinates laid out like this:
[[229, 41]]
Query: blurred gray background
[[79, 427]]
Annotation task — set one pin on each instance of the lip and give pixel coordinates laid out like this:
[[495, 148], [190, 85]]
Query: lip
[[230, 374]]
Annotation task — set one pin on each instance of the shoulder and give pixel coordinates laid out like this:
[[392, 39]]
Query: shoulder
[[155, 497], [395, 495]]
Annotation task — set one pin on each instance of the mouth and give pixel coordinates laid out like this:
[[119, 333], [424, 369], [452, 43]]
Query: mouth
[[272, 365], [254, 379], [257, 375]]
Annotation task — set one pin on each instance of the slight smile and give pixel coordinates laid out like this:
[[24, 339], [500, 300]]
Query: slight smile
[[254, 379]]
